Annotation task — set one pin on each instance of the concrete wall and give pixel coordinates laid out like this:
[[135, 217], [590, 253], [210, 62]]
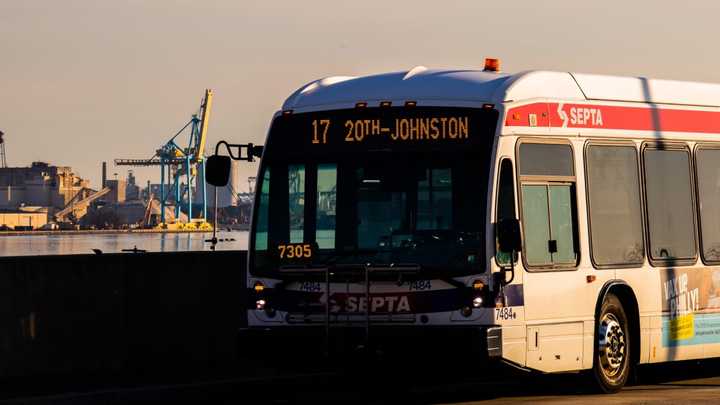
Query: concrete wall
[[120, 312], [11, 196]]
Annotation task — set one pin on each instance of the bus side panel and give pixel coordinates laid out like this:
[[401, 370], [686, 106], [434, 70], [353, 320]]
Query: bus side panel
[[562, 302], [710, 297], [679, 309]]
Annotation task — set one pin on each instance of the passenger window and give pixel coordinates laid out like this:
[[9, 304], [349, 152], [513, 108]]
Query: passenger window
[[296, 200], [326, 203], [549, 213], [561, 224], [536, 224], [708, 173], [539, 159], [669, 204], [505, 203], [614, 205], [261, 228]]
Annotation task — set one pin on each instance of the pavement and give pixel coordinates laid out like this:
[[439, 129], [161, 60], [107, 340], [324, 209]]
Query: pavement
[[375, 383]]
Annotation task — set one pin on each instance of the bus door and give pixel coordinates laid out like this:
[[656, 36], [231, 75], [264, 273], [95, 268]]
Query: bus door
[[558, 295]]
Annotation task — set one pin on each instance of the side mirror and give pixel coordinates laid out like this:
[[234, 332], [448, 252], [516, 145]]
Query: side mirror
[[217, 170], [508, 234]]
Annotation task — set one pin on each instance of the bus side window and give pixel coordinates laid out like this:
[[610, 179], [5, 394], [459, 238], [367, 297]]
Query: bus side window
[[505, 204], [549, 215], [669, 203], [708, 175], [613, 186]]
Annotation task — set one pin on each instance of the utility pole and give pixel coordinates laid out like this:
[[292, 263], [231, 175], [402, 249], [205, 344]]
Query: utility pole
[[3, 159], [251, 184]]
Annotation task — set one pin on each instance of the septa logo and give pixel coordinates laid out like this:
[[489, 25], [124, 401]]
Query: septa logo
[[358, 303], [585, 117]]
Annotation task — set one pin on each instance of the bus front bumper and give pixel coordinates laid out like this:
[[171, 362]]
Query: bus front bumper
[[479, 342]]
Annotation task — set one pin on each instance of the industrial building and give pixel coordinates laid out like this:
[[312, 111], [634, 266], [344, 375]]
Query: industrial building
[[23, 219], [40, 185]]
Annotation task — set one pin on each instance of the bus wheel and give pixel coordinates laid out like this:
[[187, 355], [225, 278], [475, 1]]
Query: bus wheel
[[611, 366]]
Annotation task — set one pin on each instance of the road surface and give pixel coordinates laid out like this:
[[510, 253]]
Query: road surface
[[688, 382]]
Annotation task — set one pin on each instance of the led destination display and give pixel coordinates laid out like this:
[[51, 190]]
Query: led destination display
[[400, 129], [374, 128]]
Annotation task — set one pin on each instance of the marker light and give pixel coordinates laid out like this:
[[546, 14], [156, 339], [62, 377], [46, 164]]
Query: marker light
[[260, 305], [361, 105], [385, 103], [477, 302], [259, 287], [410, 103], [287, 112], [488, 106], [478, 285], [492, 65]]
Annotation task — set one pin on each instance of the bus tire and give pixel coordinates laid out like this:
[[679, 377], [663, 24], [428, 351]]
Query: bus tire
[[611, 364]]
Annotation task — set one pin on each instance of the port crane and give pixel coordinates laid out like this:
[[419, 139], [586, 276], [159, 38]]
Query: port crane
[[181, 168]]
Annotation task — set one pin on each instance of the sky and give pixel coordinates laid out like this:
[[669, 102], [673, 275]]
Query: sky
[[86, 81]]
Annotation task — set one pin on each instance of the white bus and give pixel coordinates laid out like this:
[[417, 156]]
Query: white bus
[[389, 207]]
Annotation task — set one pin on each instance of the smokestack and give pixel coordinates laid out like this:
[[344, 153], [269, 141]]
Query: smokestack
[[104, 174]]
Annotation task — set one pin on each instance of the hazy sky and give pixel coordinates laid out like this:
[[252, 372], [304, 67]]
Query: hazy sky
[[87, 81]]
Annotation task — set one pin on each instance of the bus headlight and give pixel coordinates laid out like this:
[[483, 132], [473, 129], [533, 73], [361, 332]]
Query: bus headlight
[[260, 304], [477, 302]]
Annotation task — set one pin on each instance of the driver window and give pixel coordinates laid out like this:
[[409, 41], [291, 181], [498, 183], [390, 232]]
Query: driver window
[[505, 204]]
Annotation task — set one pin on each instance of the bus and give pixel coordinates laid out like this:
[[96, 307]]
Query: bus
[[555, 221]]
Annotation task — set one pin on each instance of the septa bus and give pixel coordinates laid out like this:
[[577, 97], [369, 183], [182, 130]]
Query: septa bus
[[555, 221]]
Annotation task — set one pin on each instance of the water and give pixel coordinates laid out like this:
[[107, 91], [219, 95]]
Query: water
[[68, 244]]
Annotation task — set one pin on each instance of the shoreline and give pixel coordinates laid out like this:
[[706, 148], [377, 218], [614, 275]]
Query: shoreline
[[102, 232]]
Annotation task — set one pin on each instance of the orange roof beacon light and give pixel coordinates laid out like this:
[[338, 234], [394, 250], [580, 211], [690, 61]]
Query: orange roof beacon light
[[492, 65]]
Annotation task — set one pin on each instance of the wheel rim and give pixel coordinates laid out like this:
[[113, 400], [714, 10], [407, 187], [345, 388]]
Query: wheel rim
[[611, 346]]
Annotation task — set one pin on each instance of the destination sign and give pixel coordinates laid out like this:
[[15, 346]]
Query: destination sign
[[384, 128], [399, 129]]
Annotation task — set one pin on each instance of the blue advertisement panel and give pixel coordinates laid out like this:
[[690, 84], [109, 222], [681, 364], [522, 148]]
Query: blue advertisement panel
[[691, 306]]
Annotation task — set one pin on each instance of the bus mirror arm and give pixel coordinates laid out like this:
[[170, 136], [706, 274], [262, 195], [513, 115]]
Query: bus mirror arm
[[501, 278], [508, 237], [505, 281], [235, 150], [217, 167]]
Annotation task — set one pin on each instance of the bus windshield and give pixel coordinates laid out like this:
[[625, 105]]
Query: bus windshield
[[383, 205]]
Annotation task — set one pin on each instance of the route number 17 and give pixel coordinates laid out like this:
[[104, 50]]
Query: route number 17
[[320, 130]]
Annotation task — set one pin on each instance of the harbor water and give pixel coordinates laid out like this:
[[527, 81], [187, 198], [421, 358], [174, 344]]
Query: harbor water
[[61, 243]]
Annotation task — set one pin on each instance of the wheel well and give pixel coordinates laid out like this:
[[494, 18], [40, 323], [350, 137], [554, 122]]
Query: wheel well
[[627, 298]]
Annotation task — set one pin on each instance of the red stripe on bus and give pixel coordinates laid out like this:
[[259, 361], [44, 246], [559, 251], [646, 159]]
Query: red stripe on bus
[[613, 117]]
